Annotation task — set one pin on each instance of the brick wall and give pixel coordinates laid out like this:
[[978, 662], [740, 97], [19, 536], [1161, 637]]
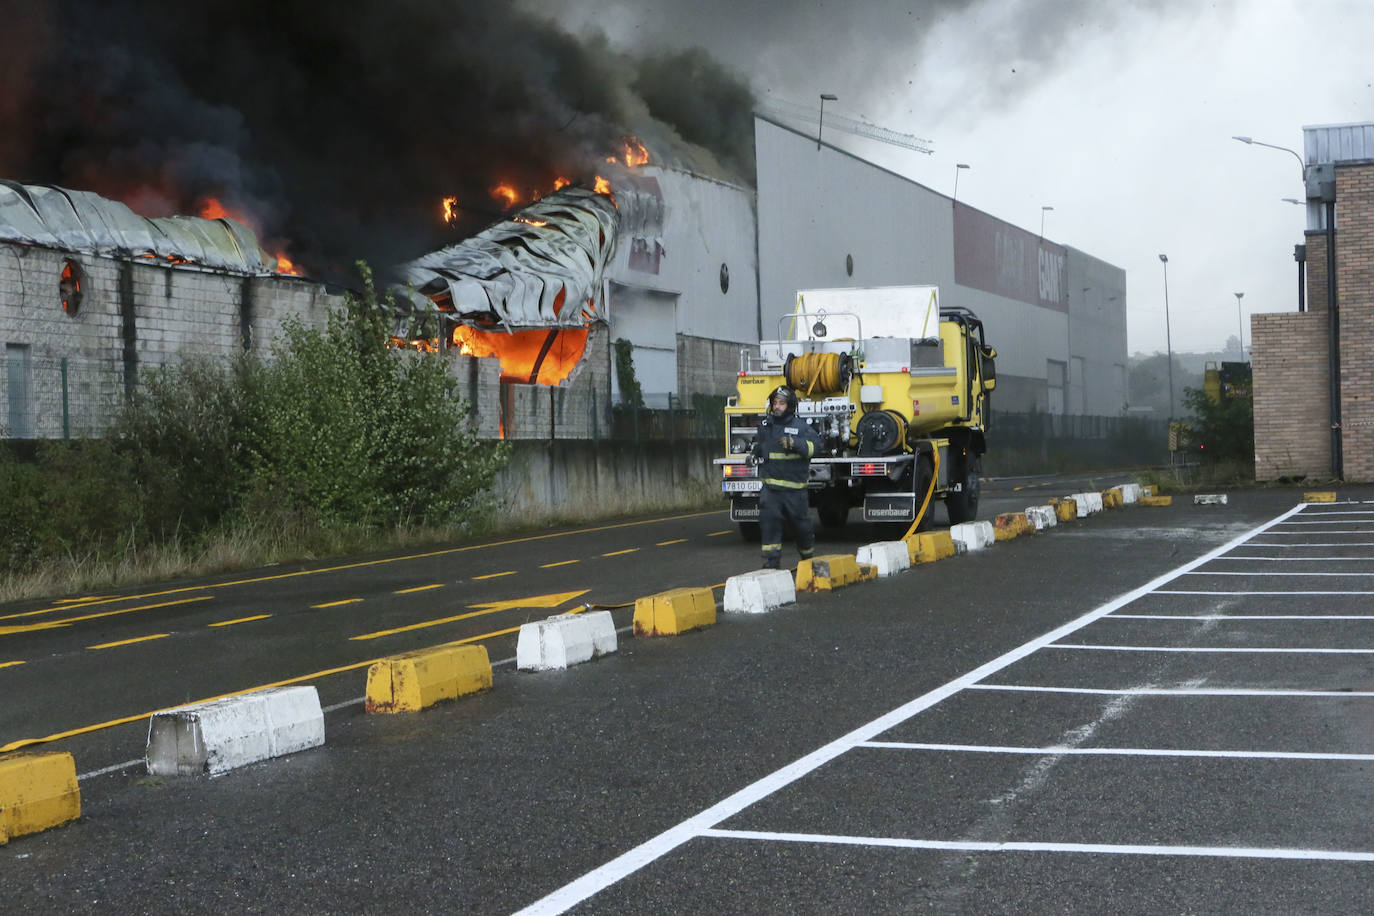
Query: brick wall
[[1355, 289], [1316, 270], [1291, 379]]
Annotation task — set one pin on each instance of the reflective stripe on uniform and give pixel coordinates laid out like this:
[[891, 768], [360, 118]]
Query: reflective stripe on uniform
[[789, 484]]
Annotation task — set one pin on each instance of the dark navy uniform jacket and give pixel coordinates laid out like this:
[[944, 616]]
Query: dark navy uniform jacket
[[784, 469]]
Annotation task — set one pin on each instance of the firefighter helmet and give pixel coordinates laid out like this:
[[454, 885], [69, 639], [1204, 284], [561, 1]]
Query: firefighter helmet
[[787, 394]]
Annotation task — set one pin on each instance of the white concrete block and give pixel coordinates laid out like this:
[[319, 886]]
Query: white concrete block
[[565, 640], [759, 591], [1130, 494], [221, 735], [891, 557], [1209, 499], [1042, 517], [1088, 503], [973, 535]]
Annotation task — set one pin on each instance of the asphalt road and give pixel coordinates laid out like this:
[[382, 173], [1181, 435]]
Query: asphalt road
[[875, 748]]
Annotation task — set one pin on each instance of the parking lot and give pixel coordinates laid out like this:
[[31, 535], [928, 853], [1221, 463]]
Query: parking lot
[[1218, 716]]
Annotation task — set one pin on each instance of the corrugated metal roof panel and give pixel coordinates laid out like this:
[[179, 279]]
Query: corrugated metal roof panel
[[1338, 142], [83, 221]]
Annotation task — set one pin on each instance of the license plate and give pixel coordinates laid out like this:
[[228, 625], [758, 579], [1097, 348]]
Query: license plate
[[741, 486]]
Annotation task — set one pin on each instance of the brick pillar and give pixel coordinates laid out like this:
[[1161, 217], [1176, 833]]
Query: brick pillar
[[1291, 391], [1315, 239], [1355, 287]]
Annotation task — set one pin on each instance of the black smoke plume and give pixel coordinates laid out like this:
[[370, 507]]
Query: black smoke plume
[[340, 127]]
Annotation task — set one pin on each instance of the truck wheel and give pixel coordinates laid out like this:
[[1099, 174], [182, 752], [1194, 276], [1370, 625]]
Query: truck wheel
[[832, 507], [925, 469], [749, 531], [963, 506]]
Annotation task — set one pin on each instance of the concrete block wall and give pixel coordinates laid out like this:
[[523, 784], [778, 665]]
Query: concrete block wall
[[134, 315], [1291, 385], [706, 366], [1355, 288]]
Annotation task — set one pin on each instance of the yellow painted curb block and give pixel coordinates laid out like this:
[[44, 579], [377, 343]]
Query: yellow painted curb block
[[824, 573], [673, 612], [868, 572], [1156, 501], [1009, 525], [1319, 496], [37, 791], [410, 682], [1065, 509], [1112, 499], [929, 547]]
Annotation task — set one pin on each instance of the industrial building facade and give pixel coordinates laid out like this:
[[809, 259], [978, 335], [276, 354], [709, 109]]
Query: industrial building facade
[[1314, 368], [702, 269]]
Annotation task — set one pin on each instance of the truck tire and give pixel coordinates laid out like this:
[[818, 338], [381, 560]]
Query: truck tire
[[963, 505], [925, 469], [750, 532], [832, 506]]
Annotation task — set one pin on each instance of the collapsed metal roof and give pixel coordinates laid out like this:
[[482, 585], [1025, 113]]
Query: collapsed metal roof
[[82, 221], [541, 268]]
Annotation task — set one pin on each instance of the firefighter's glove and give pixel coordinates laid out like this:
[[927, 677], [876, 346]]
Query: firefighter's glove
[[752, 460], [788, 443]]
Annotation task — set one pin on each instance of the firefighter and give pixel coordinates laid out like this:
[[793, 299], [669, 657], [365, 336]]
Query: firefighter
[[783, 450]]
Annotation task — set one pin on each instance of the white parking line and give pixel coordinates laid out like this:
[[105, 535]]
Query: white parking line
[[701, 824], [1176, 691], [1225, 649], [1110, 751], [1229, 852], [1177, 591], [1239, 616], [1303, 559]]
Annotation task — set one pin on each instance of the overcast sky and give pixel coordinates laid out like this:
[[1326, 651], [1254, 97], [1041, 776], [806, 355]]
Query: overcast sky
[[1118, 115]]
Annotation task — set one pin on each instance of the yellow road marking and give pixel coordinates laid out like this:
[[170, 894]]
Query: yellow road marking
[[51, 624], [716, 534], [418, 588], [618, 553], [509, 572], [314, 675], [559, 563], [336, 603], [230, 623], [9, 664], [129, 642], [482, 609], [415, 556], [666, 543]]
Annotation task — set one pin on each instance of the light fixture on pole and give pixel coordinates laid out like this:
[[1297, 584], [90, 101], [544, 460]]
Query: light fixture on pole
[[958, 167], [820, 124], [1043, 210], [1241, 322], [1252, 140], [1293, 200], [1168, 337]]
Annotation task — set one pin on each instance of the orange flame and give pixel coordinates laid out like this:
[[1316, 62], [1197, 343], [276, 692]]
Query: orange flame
[[519, 351], [635, 153], [450, 209], [285, 265], [506, 193], [602, 186], [561, 182], [530, 222]]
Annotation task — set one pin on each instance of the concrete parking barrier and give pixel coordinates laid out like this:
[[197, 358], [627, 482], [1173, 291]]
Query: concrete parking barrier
[[887, 557], [1111, 498], [972, 535], [1088, 503], [929, 547], [1130, 493], [673, 612], [1154, 502], [1209, 499], [1319, 496], [1010, 525], [1065, 508], [1041, 517], [565, 640], [220, 735], [38, 790], [829, 572], [416, 680], [759, 591]]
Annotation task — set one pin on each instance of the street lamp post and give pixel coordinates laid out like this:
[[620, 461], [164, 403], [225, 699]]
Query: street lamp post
[[1240, 323], [1043, 211], [820, 124], [958, 167], [1168, 337]]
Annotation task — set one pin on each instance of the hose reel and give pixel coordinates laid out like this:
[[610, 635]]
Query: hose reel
[[881, 432], [818, 374]]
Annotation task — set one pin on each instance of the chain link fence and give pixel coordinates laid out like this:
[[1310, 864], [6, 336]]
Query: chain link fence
[[56, 398]]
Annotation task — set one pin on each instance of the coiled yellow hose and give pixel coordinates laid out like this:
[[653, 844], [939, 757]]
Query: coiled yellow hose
[[815, 373]]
